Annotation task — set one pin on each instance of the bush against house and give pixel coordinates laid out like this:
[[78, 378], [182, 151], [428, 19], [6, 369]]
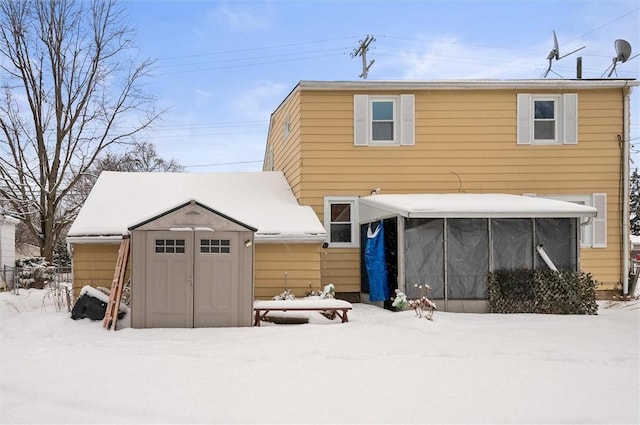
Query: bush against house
[[542, 291]]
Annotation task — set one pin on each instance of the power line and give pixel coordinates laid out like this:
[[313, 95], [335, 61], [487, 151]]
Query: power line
[[221, 163]]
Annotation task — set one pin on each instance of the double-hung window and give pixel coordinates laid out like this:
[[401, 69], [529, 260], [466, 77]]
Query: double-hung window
[[341, 221], [547, 119], [383, 120], [544, 119]]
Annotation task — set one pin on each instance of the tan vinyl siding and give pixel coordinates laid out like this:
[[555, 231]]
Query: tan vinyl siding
[[286, 149], [341, 266], [465, 141], [300, 262], [94, 265]]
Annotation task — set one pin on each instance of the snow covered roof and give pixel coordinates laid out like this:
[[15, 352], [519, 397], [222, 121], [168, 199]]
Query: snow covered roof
[[467, 205], [262, 200]]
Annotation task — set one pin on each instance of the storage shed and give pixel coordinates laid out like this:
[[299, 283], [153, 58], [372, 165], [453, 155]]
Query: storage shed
[[195, 242], [452, 241], [192, 268]]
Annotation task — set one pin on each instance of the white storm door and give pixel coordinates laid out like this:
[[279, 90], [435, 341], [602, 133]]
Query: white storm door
[[216, 279], [169, 286]]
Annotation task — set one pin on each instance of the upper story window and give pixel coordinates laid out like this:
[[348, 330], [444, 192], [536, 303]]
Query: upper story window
[[547, 119], [383, 120], [341, 221], [544, 119]]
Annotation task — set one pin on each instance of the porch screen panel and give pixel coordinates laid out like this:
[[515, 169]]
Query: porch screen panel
[[424, 255], [558, 237], [512, 243], [467, 258]]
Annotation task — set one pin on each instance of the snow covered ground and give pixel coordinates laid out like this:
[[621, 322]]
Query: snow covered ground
[[381, 367]]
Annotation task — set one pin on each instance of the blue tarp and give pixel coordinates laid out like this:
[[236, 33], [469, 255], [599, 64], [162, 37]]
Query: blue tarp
[[376, 264]]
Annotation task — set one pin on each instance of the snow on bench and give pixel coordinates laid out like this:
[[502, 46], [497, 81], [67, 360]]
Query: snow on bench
[[339, 307]]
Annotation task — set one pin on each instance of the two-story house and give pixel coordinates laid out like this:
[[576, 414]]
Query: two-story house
[[465, 177]]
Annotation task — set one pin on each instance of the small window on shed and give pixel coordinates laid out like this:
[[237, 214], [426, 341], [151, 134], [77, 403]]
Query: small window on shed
[[169, 246], [215, 246]]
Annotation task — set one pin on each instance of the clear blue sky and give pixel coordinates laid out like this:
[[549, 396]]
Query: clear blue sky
[[222, 67]]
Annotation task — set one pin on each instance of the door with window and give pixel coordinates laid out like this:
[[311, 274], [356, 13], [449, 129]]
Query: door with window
[[191, 279]]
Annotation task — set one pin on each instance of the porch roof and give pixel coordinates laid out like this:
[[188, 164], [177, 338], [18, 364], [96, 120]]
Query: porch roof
[[467, 205]]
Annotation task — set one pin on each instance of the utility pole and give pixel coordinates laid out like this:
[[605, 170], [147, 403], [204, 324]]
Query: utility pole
[[362, 51]]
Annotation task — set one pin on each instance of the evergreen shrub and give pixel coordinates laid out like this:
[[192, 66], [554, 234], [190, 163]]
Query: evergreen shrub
[[542, 291]]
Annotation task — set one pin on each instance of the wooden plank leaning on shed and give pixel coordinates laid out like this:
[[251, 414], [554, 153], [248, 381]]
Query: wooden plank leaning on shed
[[111, 315]]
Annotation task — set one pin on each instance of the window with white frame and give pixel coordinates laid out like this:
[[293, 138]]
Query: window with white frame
[[383, 120], [547, 119], [341, 221], [593, 233]]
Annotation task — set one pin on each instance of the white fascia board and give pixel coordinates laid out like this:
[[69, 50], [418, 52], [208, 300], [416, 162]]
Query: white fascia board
[[283, 238], [94, 239], [573, 84]]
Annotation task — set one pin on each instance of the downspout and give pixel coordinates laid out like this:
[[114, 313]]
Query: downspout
[[625, 190]]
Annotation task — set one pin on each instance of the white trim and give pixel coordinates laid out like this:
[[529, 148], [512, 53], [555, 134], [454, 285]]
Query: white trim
[[407, 127], [403, 120], [600, 221], [355, 227], [94, 239], [531, 84], [523, 136], [570, 118], [557, 119], [360, 120], [565, 119], [395, 120]]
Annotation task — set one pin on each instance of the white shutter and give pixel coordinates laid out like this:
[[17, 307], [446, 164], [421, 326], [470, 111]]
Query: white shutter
[[570, 118], [599, 202], [407, 120], [523, 136], [360, 119]]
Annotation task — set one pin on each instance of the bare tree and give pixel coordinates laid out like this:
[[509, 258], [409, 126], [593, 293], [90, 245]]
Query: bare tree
[[142, 157], [71, 86]]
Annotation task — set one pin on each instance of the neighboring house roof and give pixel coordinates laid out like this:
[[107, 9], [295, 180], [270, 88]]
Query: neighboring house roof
[[7, 219], [27, 250], [468, 205], [262, 200]]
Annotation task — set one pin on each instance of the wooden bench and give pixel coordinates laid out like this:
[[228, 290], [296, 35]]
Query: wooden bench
[[339, 307]]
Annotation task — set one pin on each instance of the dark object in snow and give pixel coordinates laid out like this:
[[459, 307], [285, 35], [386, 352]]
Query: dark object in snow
[[91, 308], [287, 320]]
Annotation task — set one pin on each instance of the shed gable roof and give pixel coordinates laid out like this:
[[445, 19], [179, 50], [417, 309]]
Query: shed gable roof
[[260, 200]]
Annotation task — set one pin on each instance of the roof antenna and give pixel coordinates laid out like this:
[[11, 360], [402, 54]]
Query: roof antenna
[[623, 54], [555, 54]]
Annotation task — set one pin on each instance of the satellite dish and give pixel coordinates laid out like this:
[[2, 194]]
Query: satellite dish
[[623, 54], [623, 50], [555, 54]]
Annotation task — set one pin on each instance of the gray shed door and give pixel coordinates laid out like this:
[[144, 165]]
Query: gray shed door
[[191, 279]]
